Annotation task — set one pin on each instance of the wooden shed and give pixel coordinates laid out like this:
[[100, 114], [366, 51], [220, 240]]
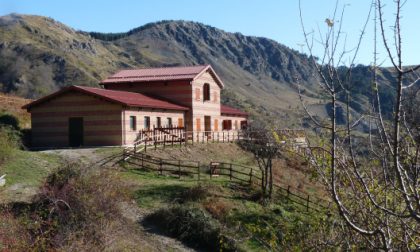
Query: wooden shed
[[83, 116]]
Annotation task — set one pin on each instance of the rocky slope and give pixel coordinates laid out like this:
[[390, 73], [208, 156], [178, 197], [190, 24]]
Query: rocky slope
[[39, 55]]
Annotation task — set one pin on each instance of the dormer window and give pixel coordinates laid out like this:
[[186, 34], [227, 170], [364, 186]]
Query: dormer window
[[206, 92]]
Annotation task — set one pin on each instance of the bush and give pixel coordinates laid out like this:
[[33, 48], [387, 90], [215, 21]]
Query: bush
[[75, 209], [9, 142], [188, 224], [218, 208], [195, 193]]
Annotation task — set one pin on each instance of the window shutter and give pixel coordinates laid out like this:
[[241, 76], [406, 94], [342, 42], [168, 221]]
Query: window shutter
[[197, 94], [180, 122], [198, 124], [216, 125]]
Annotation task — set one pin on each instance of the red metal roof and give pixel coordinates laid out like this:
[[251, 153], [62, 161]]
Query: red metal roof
[[161, 74], [231, 111], [122, 97]]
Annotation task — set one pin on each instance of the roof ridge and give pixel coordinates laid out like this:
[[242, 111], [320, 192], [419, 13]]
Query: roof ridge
[[164, 67]]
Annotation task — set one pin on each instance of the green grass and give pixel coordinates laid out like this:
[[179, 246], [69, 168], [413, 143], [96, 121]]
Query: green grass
[[280, 224], [26, 172]]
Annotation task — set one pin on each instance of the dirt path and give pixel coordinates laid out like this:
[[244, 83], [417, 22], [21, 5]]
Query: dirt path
[[151, 241], [85, 156]]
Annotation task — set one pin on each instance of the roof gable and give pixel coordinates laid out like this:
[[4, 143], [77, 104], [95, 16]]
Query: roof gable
[[130, 99], [162, 74]]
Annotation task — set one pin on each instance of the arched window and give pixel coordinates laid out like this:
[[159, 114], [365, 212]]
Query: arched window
[[206, 92]]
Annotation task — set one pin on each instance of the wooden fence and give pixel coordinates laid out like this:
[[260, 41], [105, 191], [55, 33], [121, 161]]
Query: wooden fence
[[177, 135], [245, 175]]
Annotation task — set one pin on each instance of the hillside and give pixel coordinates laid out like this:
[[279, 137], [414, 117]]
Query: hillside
[[11, 105], [40, 55]]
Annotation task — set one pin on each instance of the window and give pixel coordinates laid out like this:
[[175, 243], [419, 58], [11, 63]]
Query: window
[[169, 121], [158, 122], [133, 123], [180, 122], [227, 124], [147, 122], [206, 92]]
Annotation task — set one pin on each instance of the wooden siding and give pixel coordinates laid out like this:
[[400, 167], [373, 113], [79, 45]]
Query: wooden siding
[[130, 135], [102, 121]]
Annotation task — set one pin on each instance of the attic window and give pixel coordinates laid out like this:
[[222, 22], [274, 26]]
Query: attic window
[[206, 92]]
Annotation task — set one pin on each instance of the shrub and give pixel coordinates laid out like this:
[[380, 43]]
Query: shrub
[[195, 193], [75, 208], [188, 224], [9, 142], [13, 236], [218, 208]]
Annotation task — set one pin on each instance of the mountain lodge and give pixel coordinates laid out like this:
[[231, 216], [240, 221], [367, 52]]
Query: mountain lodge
[[132, 102]]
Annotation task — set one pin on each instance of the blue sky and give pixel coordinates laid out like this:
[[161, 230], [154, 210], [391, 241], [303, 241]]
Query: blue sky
[[275, 19]]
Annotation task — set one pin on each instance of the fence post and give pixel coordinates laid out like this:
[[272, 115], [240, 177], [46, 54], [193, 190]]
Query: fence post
[[164, 141], [211, 172], [288, 191], [142, 161], [198, 170], [230, 172], [155, 142], [307, 204], [212, 136], [179, 169], [250, 177], [145, 145], [223, 136], [160, 167]]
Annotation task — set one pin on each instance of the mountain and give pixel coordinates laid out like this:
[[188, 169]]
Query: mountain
[[40, 55]]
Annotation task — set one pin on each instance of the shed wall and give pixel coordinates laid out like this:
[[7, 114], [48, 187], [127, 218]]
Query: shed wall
[[102, 121]]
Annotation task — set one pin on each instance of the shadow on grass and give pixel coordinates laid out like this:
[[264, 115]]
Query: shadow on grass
[[152, 195]]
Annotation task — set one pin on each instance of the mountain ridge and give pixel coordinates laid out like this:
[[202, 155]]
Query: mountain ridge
[[41, 55]]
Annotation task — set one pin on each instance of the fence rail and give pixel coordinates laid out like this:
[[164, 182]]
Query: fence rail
[[249, 176]]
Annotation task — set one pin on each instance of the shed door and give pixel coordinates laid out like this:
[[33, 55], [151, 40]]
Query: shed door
[[75, 131]]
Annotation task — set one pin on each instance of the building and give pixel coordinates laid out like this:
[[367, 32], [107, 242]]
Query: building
[[129, 102]]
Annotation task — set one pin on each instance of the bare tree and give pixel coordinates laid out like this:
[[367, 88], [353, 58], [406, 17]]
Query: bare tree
[[264, 142], [376, 193]]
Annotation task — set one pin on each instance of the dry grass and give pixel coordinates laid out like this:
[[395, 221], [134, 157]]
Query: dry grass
[[12, 105], [219, 208]]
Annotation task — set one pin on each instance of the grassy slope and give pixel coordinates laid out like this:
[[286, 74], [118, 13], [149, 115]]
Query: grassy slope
[[289, 170], [230, 205], [26, 172], [10, 104]]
